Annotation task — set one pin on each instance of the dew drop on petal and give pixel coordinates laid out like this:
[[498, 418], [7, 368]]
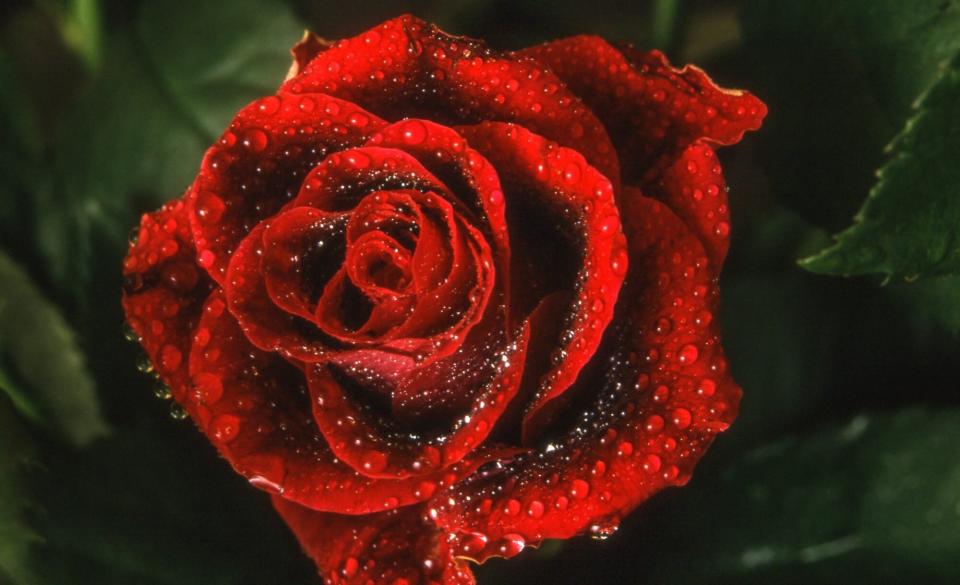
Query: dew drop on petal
[[414, 132], [579, 488]]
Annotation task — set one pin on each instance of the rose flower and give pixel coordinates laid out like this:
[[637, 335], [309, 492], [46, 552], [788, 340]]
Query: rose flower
[[444, 302]]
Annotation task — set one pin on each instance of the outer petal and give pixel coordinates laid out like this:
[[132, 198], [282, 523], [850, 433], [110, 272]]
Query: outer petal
[[693, 187], [663, 399], [408, 68], [259, 163], [164, 291], [390, 548], [254, 407], [649, 108], [559, 179]]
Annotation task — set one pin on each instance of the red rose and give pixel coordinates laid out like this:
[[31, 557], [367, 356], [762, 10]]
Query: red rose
[[444, 302]]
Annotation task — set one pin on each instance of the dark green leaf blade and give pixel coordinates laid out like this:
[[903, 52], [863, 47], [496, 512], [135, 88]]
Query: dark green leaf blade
[[910, 223], [840, 79], [244, 53], [16, 536], [57, 389], [858, 502], [168, 86]]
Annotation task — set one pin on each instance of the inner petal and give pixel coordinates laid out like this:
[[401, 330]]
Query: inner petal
[[379, 265]]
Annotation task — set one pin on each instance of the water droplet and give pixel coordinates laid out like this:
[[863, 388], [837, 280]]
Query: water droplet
[[604, 529], [561, 503], [414, 132], [255, 140], [359, 120], [651, 463], [512, 545], [496, 197], [579, 488], [625, 449], [599, 468], [512, 508], [358, 160], [177, 412], [425, 489], [661, 394], [688, 354], [618, 262], [654, 423], [722, 229], [535, 509], [206, 258], [224, 427], [207, 388], [707, 387], [130, 334], [663, 326], [473, 543], [572, 173], [350, 567], [374, 461], [269, 105], [162, 391], [703, 318], [681, 418], [210, 208], [144, 365], [307, 105], [170, 358]]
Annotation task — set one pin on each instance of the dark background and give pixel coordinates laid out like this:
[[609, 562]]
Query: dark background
[[844, 466]]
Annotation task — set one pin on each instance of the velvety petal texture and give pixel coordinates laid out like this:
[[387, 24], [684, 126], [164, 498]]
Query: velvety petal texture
[[443, 302]]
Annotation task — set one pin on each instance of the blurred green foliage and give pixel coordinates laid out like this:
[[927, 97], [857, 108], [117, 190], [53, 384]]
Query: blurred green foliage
[[842, 466]]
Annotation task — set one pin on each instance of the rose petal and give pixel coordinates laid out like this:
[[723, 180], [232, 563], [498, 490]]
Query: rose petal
[[254, 407], [365, 443], [344, 178], [408, 68], [649, 108], [164, 291], [259, 163], [560, 179], [694, 188], [389, 548], [267, 325], [308, 47], [664, 399], [447, 155], [302, 246]]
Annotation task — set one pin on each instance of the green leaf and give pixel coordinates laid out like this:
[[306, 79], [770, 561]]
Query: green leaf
[[156, 506], [933, 305], [840, 79], [20, 149], [56, 388], [16, 536], [910, 224], [80, 27], [220, 56], [167, 87], [858, 502]]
